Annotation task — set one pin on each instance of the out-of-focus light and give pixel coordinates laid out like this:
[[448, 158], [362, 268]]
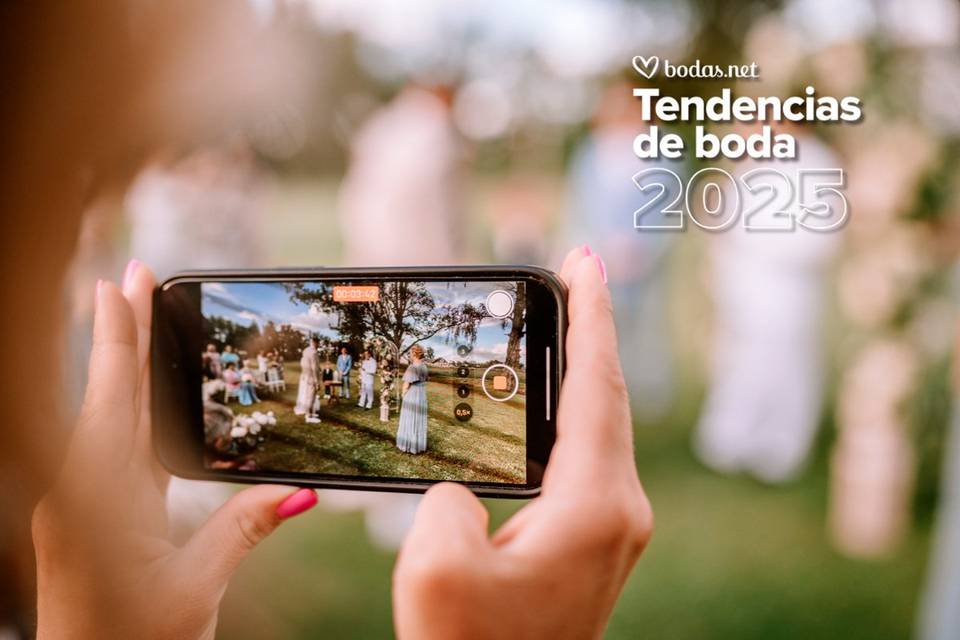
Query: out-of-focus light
[[777, 46], [940, 91], [482, 110], [922, 23], [581, 38], [558, 101], [825, 22]]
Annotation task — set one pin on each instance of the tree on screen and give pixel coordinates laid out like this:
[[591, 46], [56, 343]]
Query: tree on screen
[[222, 331], [406, 314], [517, 324]]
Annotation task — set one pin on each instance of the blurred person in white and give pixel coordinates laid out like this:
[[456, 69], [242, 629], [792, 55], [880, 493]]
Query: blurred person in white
[[603, 199], [400, 202], [198, 209], [765, 394], [939, 616], [204, 209]]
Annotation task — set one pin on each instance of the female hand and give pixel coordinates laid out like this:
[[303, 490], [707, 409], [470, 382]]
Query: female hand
[[556, 568], [105, 568]]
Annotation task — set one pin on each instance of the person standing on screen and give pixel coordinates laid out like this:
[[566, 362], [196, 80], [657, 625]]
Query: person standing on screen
[[344, 364], [307, 391], [412, 433], [368, 368], [262, 364]]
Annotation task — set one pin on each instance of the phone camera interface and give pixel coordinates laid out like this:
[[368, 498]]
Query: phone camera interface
[[387, 379]]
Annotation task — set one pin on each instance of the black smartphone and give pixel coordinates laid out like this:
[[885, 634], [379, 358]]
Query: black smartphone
[[379, 379]]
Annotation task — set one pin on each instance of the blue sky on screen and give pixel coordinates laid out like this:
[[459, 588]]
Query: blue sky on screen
[[260, 302]]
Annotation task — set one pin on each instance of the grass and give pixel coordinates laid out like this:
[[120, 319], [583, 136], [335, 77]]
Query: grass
[[353, 441]]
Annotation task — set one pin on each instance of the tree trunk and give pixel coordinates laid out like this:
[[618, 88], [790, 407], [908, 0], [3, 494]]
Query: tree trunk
[[517, 327]]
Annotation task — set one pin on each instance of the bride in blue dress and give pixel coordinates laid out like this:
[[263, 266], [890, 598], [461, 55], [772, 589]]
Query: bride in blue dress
[[412, 433]]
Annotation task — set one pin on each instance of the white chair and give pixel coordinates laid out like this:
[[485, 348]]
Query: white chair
[[228, 393], [274, 381]]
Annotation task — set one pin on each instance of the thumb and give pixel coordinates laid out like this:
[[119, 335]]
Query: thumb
[[242, 522], [449, 535], [450, 521]]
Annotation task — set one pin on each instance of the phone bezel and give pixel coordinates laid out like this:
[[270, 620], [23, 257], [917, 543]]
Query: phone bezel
[[177, 408]]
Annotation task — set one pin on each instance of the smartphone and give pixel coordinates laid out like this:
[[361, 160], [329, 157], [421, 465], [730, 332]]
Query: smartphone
[[377, 379]]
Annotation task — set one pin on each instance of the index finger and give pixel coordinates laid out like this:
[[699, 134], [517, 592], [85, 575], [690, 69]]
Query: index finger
[[138, 285], [591, 479], [594, 428]]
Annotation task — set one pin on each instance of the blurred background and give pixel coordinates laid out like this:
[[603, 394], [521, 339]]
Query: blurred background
[[793, 393]]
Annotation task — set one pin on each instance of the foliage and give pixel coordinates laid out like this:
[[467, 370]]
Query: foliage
[[283, 339], [406, 314]]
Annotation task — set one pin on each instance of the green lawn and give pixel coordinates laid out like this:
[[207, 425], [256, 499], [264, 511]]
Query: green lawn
[[353, 441]]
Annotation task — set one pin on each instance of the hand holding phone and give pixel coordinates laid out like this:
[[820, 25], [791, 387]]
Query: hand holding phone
[[105, 565], [385, 379], [556, 568]]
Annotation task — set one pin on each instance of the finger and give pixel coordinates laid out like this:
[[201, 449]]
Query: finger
[[574, 256], [213, 553], [594, 438], [449, 519], [108, 418], [440, 558], [138, 285], [590, 489]]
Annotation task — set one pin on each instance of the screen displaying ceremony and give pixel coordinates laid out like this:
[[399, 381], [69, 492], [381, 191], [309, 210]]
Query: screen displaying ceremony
[[400, 379]]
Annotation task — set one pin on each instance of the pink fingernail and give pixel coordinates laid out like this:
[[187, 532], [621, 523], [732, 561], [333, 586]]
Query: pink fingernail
[[602, 267], [296, 503], [587, 250], [129, 272], [96, 297]]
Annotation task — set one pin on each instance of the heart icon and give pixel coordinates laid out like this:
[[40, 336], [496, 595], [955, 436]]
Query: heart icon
[[647, 67]]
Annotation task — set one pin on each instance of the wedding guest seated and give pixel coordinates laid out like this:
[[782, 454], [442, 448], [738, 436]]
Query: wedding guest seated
[[212, 367], [232, 379], [278, 358], [248, 387]]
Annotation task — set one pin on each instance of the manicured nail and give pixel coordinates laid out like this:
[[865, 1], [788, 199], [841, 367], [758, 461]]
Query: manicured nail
[[129, 272], [587, 250], [602, 267], [96, 297], [296, 503]]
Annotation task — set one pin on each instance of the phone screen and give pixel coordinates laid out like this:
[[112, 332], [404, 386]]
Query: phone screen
[[382, 379]]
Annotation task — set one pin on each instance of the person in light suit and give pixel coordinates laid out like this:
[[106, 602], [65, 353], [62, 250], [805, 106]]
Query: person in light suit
[[368, 368]]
